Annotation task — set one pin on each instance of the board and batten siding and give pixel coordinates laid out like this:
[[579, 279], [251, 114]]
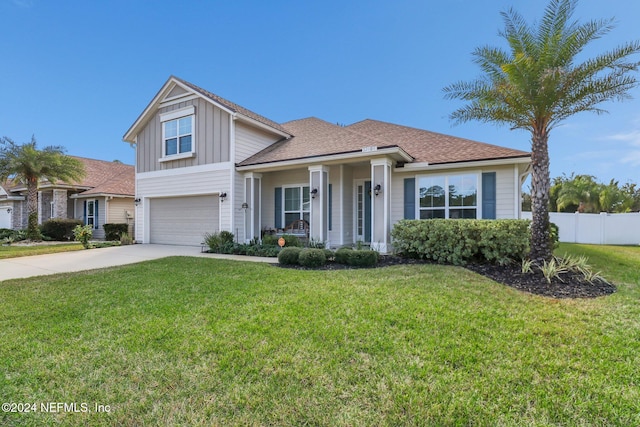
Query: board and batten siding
[[250, 140], [212, 143]]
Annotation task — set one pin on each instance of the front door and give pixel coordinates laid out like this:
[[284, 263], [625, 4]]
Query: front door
[[363, 211]]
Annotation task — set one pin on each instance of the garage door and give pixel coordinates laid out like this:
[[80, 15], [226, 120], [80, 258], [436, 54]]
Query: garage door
[[183, 220]]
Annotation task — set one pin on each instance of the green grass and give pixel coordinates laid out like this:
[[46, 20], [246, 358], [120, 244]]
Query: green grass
[[19, 251], [193, 341]]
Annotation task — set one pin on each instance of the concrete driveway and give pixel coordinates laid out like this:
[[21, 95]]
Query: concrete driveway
[[66, 262]]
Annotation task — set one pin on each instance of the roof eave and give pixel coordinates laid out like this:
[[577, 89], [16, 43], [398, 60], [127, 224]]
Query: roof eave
[[468, 163], [395, 152]]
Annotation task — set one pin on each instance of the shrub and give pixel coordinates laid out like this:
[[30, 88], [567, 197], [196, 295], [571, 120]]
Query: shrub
[[312, 258], [363, 258], [60, 228], [226, 237], [342, 255], [460, 241], [14, 235], [83, 234], [291, 240], [289, 256], [114, 231], [316, 244], [270, 239], [125, 239], [328, 254]]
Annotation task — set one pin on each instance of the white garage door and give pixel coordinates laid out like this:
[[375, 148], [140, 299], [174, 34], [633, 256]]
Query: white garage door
[[5, 217], [183, 220]]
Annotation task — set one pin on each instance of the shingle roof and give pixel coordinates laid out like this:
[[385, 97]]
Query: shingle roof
[[432, 147], [103, 177], [315, 137], [232, 106]]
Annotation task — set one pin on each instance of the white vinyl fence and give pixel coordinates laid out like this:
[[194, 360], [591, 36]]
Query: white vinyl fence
[[597, 229]]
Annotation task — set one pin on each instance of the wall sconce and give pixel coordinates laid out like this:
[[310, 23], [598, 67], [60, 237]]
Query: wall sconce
[[314, 193], [223, 197], [9, 210], [245, 206], [137, 201], [377, 189]]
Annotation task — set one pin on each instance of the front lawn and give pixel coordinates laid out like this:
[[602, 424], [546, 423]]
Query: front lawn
[[194, 341], [14, 251]]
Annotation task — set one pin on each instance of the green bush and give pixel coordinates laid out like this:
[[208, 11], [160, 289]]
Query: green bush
[[342, 255], [312, 257], [13, 235], [328, 254], [291, 240], [83, 234], [125, 239], [59, 229], [226, 237], [270, 239], [363, 258], [113, 232], [461, 241], [289, 256]]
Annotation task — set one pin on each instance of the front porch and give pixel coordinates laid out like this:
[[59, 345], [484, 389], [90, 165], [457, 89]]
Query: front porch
[[338, 204]]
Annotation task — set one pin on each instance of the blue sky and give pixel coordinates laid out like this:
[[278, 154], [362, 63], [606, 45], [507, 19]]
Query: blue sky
[[78, 73]]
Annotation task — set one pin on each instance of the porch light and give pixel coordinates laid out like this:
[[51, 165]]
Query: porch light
[[8, 210], [137, 201], [314, 193], [245, 206], [377, 189], [223, 197]]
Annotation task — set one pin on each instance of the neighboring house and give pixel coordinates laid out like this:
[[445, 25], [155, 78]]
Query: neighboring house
[[105, 195], [205, 164]]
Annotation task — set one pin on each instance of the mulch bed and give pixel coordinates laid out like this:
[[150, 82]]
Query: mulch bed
[[567, 285]]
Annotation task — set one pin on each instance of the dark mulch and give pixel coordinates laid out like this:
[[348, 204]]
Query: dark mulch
[[568, 285]]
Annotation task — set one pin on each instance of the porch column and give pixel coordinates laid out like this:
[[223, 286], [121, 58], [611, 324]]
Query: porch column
[[59, 204], [253, 211], [380, 204], [319, 189]]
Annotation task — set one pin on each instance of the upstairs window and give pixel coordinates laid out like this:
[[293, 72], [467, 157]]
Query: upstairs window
[[178, 136], [178, 133]]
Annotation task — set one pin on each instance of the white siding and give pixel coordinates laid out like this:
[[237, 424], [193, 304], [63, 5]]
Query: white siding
[[117, 212], [250, 140], [206, 180]]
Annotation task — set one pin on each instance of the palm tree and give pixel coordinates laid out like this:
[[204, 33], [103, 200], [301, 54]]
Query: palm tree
[[537, 84], [28, 165]]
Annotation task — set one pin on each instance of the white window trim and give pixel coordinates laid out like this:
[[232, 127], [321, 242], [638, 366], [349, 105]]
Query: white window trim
[[446, 207], [86, 219], [175, 115], [301, 211]]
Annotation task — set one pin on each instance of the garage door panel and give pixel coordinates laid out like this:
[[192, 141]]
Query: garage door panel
[[183, 220]]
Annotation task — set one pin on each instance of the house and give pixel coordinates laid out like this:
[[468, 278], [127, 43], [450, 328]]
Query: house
[[206, 164], [104, 195]]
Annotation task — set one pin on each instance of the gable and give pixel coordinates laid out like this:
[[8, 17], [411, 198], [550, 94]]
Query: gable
[[176, 92]]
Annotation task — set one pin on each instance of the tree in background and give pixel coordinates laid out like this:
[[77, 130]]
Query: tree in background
[[537, 83], [583, 193], [28, 165]]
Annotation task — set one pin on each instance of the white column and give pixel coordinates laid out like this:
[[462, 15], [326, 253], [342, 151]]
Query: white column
[[381, 204], [253, 213], [319, 183]]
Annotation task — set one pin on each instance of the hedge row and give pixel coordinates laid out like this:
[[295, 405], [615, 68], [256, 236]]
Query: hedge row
[[461, 241], [315, 257]]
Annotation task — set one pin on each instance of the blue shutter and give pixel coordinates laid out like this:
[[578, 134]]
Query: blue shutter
[[489, 195], [84, 215], [409, 198], [330, 204], [278, 207], [95, 214]]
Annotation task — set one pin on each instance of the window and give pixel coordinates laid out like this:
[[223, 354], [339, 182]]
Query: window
[[178, 136], [451, 196], [90, 216], [297, 204]]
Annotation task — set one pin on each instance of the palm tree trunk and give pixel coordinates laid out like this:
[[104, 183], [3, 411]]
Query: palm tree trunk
[[33, 233], [540, 185]]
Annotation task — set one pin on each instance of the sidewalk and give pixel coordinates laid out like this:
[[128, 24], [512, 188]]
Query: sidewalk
[[66, 262]]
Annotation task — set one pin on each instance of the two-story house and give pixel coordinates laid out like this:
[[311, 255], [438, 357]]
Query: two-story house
[[205, 164]]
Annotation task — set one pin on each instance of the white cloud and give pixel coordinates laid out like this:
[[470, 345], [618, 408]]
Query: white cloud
[[23, 3], [632, 154]]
